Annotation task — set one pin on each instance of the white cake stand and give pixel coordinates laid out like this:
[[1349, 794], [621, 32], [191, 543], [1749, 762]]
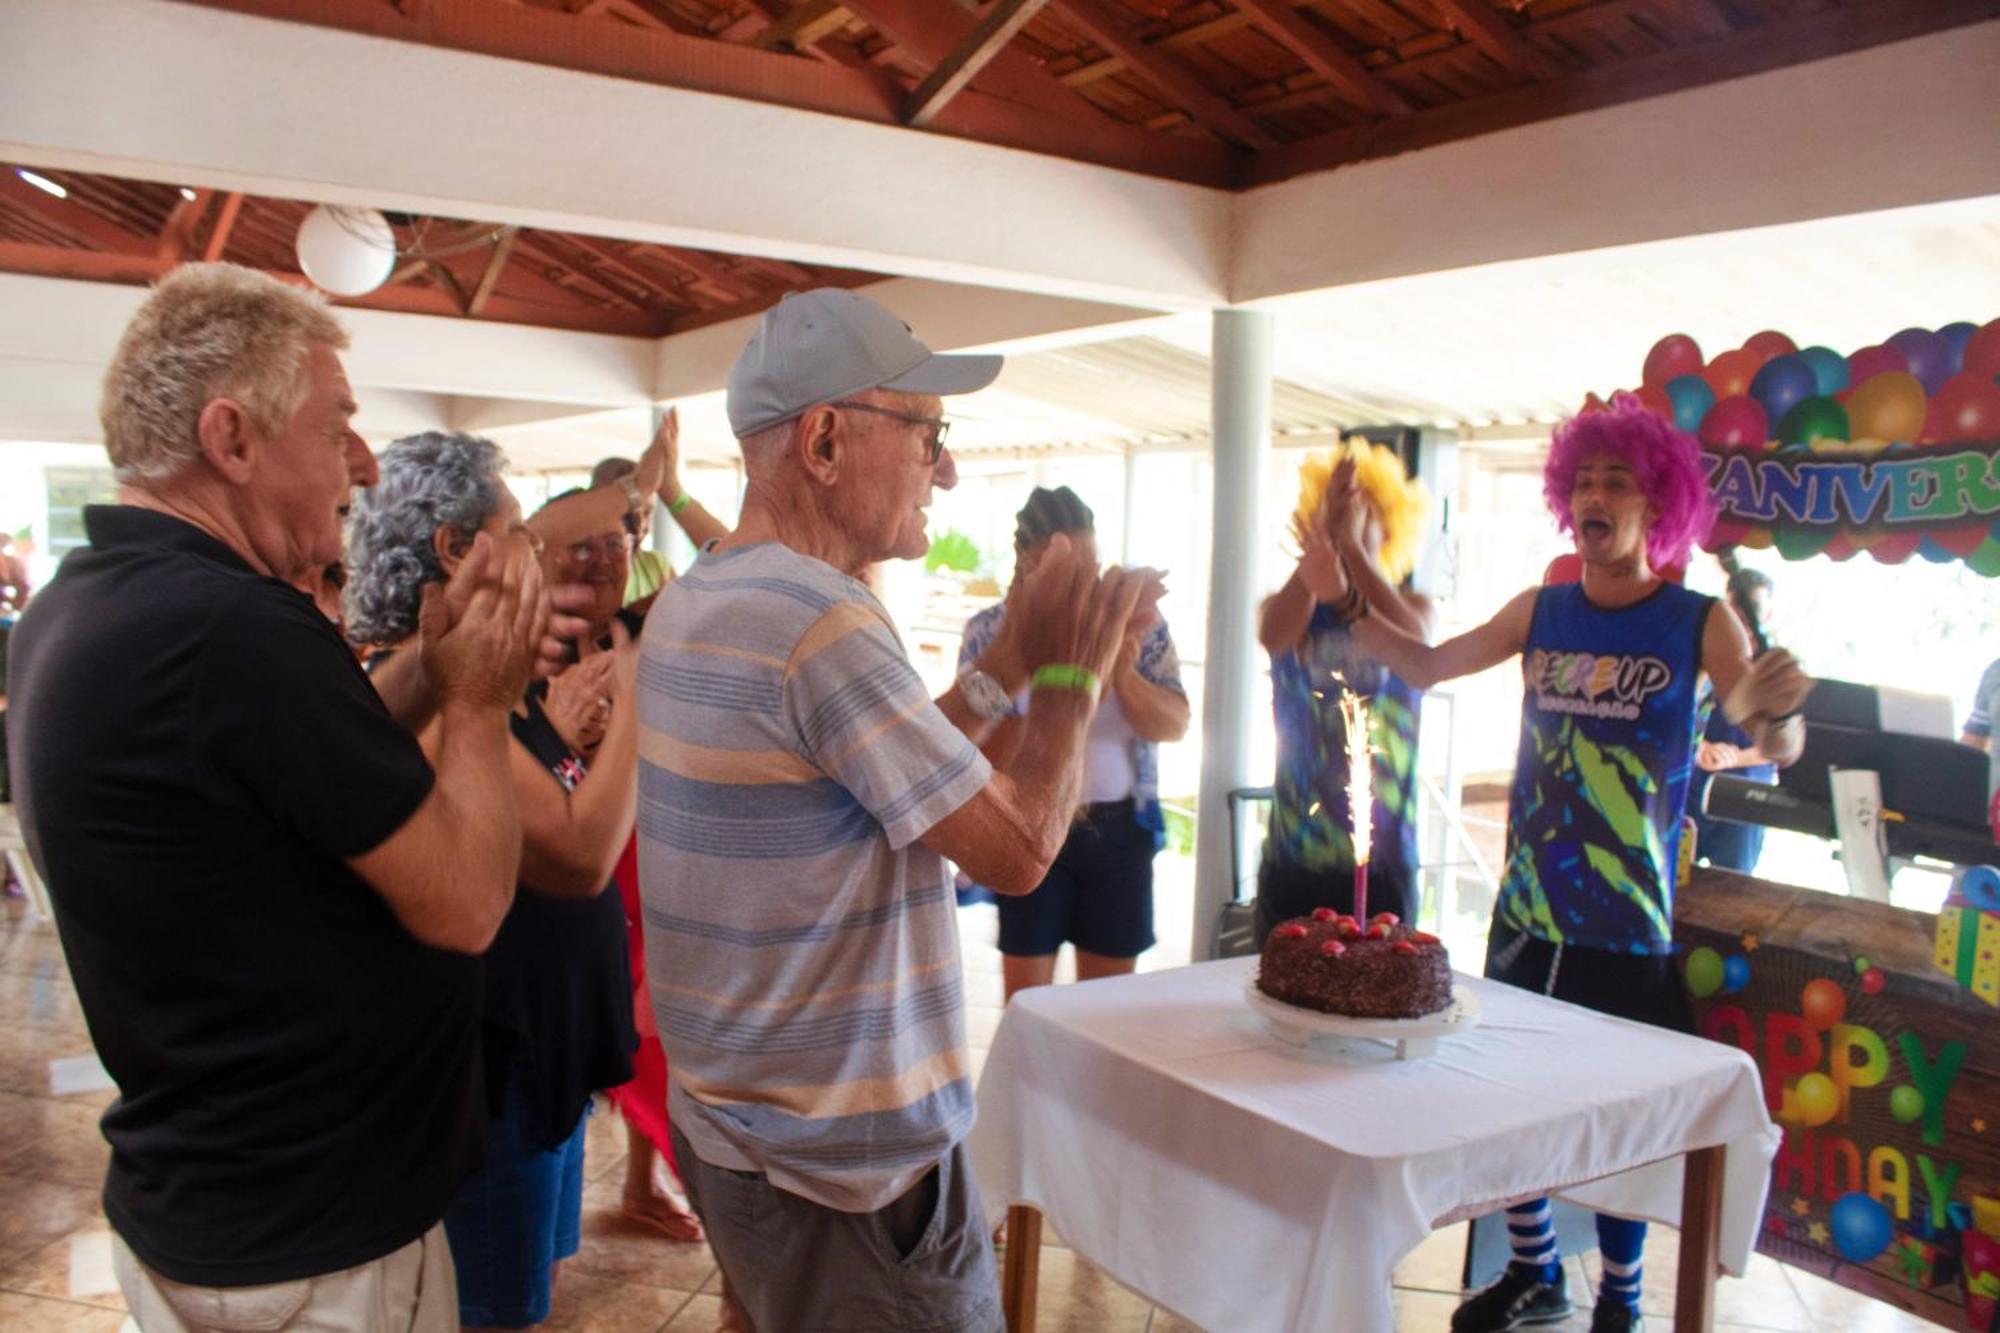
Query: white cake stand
[[1413, 1038]]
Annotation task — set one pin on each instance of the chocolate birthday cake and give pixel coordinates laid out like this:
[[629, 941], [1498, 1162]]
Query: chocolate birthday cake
[[1338, 965]]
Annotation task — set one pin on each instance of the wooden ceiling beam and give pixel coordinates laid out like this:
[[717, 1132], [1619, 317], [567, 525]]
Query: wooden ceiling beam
[[1770, 46], [633, 269], [1109, 27], [503, 246], [803, 25], [542, 247], [705, 268], [177, 236], [225, 227], [1194, 34], [1481, 24], [72, 219], [949, 77], [1324, 56], [1027, 108]]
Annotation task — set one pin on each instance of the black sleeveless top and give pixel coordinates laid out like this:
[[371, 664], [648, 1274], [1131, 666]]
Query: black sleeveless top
[[558, 982]]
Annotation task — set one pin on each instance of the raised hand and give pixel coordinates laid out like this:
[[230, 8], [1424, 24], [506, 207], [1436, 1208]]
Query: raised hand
[[477, 632], [659, 466], [1778, 686], [1320, 567]]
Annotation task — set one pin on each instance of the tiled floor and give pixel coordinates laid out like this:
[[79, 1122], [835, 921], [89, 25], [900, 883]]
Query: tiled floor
[[54, 1257]]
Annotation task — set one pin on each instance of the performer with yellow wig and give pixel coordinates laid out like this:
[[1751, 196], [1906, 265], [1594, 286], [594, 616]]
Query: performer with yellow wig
[[1309, 850]]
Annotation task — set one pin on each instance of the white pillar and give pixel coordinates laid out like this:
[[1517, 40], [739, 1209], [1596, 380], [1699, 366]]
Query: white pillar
[[1240, 407]]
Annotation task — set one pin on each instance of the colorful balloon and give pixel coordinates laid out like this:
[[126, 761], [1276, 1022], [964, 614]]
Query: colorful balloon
[[1735, 973], [1814, 419], [1730, 374], [1691, 398], [1861, 1227], [1770, 343], [1929, 356], [1672, 356], [1781, 382], [1704, 972], [1816, 1099], [1829, 369], [1906, 1103], [1737, 422], [1982, 352], [1966, 408], [1868, 362], [1655, 400], [1956, 336], [1823, 1003], [1889, 406]]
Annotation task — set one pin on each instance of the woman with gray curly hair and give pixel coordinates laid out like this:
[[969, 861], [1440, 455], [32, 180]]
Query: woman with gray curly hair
[[437, 491], [559, 1023]]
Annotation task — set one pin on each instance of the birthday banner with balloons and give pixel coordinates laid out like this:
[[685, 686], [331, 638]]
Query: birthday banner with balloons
[[1882, 1066], [1890, 449]]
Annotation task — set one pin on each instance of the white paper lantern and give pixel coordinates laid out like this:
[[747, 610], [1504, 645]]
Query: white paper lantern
[[346, 251]]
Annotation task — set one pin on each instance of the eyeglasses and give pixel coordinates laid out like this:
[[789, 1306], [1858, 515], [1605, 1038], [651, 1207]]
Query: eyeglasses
[[607, 548], [933, 444]]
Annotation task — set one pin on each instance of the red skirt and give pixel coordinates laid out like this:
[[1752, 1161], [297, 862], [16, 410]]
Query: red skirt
[[643, 1101]]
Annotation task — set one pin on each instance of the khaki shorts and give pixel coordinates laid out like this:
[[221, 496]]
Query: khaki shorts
[[411, 1290]]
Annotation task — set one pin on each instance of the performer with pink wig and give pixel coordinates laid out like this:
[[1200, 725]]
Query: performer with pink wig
[[1610, 665]]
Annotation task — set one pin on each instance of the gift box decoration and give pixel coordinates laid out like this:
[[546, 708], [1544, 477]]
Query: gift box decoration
[[1968, 947], [1981, 1278]]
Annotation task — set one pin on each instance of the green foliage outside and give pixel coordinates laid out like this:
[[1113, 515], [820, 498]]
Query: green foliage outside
[[954, 551]]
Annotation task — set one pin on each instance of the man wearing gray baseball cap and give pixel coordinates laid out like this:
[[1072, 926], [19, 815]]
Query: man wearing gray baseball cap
[[800, 793]]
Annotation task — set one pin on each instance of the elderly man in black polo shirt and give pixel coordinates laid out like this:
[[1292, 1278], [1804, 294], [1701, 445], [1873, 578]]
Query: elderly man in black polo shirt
[[271, 903]]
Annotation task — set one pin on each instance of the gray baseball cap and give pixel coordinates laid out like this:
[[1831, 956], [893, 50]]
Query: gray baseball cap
[[829, 343]]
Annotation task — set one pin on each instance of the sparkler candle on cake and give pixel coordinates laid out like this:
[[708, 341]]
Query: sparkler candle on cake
[[1360, 792]]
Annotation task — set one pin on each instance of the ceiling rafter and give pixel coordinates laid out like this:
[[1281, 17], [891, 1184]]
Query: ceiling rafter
[[950, 76], [1015, 104], [1195, 34], [70, 218], [224, 228], [804, 25], [1772, 45], [141, 269], [1481, 24], [177, 236], [503, 247], [1109, 27], [1324, 56]]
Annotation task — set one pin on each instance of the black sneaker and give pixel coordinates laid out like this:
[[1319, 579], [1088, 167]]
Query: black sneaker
[[1616, 1317], [1518, 1299]]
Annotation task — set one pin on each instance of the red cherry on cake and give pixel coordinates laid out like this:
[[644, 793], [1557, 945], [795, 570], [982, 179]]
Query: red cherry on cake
[[1347, 928], [1324, 914], [1378, 931], [1386, 918], [1332, 948], [1423, 937], [1404, 947], [1291, 930]]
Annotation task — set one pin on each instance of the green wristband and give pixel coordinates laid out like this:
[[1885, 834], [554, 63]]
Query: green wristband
[[681, 501], [1066, 676]]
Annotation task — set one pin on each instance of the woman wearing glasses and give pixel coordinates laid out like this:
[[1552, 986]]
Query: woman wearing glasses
[[559, 1022]]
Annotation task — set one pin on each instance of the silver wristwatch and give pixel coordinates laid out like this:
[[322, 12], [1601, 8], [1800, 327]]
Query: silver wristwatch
[[984, 695]]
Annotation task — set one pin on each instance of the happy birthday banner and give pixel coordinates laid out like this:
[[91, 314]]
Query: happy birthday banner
[[1890, 449], [1876, 1032]]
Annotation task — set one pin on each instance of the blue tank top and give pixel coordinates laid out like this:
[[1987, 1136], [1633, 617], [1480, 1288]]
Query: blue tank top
[[1601, 779]]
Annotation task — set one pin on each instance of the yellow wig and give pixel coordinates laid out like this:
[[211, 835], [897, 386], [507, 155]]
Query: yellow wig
[[1397, 501]]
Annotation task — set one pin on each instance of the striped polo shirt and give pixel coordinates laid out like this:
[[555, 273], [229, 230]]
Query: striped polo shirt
[[801, 944]]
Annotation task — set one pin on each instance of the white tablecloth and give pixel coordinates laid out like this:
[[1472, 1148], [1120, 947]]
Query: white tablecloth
[[1247, 1184]]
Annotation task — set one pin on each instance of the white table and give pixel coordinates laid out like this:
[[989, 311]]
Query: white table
[[1245, 1183]]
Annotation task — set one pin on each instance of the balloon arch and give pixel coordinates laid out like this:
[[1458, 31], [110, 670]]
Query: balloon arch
[[1889, 450]]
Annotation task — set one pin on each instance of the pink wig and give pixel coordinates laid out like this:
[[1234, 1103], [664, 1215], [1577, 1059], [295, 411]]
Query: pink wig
[[1667, 463]]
